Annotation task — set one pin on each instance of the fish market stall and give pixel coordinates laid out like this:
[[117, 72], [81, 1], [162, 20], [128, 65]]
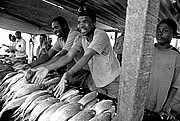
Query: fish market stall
[[23, 100]]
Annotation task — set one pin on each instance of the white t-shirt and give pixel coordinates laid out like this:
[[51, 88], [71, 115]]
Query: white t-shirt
[[21, 47], [104, 66], [165, 73]]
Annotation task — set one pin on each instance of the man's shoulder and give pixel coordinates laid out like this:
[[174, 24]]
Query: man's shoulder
[[21, 40], [74, 31], [99, 31]]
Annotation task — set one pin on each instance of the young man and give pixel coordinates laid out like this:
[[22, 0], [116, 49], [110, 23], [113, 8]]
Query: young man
[[42, 48], [20, 48], [118, 47], [11, 47], [63, 44], [98, 54], [165, 75]]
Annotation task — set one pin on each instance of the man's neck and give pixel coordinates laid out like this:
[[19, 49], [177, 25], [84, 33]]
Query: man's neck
[[90, 36], [65, 33], [163, 46]]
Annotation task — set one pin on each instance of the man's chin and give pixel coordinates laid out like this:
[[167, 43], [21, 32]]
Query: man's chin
[[84, 33]]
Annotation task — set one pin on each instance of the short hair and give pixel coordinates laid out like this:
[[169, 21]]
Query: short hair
[[171, 23], [61, 20], [10, 35], [18, 32], [43, 35], [89, 13], [13, 37]]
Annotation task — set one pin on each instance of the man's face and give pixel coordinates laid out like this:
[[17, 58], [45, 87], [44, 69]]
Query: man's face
[[57, 29], [18, 35], [85, 25], [41, 40], [164, 34]]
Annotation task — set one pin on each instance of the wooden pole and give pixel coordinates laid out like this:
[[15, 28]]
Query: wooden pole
[[140, 28]]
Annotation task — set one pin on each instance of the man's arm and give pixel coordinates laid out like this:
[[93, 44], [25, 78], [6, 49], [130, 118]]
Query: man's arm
[[171, 95], [63, 60], [55, 58], [44, 58], [82, 62]]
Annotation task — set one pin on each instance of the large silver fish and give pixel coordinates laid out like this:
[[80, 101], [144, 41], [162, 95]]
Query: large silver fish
[[66, 111], [102, 106], [9, 75], [84, 115], [13, 104], [31, 97], [91, 104], [12, 80], [68, 93], [88, 98], [76, 99], [37, 111], [25, 90], [104, 116], [34, 104], [19, 84], [50, 110]]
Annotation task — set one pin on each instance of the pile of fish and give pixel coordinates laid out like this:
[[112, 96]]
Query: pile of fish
[[37, 103]]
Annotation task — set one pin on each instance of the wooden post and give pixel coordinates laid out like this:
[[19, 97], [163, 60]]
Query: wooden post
[[140, 29]]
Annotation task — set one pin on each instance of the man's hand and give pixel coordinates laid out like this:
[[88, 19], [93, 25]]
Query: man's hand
[[41, 73], [59, 89]]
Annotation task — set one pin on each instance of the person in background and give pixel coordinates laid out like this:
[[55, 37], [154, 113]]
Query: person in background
[[42, 48], [98, 54], [165, 73], [11, 47], [20, 48], [10, 35], [118, 47], [49, 43]]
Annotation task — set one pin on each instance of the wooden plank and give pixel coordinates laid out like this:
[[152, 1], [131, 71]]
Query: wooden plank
[[140, 28]]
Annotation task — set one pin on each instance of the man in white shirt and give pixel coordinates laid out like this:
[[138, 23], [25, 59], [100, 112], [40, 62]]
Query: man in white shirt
[[20, 45], [20, 48]]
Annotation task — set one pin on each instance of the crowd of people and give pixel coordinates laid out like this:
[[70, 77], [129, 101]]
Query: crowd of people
[[88, 52]]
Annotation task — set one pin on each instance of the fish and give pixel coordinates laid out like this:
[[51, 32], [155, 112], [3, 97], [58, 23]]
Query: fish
[[104, 116], [25, 90], [76, 99], [68, 93], [68, 99], [9, 75], [84, 115], [66, 111], [31, 97], [45, 116], [13, 104], [41, 107], [102, 106], [112, 110], [49, 82], [22, 82], [34, 104], [12, 81], [91, 104], [88, 97]]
